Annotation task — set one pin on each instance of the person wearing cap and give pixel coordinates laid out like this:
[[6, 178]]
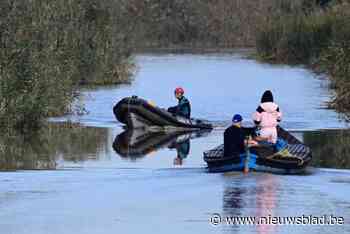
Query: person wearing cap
[[183, 108], [267, 116], [234, 138]]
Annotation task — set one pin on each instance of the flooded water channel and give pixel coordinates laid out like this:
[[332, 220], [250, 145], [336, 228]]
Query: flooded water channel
[[98, 178]]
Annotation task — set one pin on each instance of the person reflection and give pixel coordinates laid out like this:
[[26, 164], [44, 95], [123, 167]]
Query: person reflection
[[266, 203], [251, 197], [233, 200], [182, 149], [235, 197]]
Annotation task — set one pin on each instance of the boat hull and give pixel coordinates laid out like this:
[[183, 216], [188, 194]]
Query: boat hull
[[136, 113], [297, 161]]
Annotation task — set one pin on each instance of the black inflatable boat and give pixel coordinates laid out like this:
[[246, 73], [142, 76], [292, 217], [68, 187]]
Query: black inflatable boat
[[292, 158], [138, 113]]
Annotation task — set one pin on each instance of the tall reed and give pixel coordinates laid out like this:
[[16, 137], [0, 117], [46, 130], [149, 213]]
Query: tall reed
[[48, 48], [320, 38]]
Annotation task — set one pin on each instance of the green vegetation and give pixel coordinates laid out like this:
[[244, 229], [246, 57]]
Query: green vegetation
[[203, 24], [48, 48], [315, 36]]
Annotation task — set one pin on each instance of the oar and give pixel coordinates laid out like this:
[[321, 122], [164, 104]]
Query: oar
[[246, 162]]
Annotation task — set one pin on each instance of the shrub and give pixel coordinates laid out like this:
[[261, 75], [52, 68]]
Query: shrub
[[320, 38], [47, 48]]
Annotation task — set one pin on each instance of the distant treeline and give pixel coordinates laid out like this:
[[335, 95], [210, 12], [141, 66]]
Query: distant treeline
[[206, 23], [48, 48]]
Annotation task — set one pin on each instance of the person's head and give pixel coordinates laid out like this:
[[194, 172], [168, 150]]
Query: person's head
[[267, 96], [237, 120], [179, 92]]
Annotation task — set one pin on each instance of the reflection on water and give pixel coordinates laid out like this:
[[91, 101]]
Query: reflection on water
[[331, 149], [26, 152], [60, 145], [182, 150], [130, 174], [255, 196], [133, 144], [268, 197], [42, 150]]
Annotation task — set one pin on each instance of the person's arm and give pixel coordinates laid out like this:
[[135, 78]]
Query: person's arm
[[250, 142], [258, 115], [172, 109], [279, 115], [260, 138]]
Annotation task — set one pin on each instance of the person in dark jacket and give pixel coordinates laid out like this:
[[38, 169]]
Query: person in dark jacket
[[234, 138], [183, 107]]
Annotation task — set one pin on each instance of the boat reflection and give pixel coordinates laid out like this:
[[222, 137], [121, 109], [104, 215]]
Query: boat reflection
[[137, 143]]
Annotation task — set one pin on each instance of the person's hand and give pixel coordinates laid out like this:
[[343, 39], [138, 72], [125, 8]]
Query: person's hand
[[252, 143], [260, 138]]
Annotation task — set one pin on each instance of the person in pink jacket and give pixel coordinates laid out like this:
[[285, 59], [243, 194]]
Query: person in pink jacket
[[267, 116]]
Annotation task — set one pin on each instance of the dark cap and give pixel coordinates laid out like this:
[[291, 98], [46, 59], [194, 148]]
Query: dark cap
[[237, 118]]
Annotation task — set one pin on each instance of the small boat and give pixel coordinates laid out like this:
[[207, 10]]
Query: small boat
[[137, 143], [138, 113], [292, 158]]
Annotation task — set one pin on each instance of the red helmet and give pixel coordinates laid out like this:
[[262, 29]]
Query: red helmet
[[179, 90]]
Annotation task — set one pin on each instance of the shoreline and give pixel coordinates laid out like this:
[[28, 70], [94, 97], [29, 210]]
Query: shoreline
[[193, 50]]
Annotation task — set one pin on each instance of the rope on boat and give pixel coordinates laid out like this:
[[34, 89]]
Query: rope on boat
[[284, 153]]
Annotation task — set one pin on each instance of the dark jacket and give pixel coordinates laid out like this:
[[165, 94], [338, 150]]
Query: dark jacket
[[233, 141], [183, 108]]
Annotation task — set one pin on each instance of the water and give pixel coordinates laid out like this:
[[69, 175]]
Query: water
[[219, 86], [87, 180]]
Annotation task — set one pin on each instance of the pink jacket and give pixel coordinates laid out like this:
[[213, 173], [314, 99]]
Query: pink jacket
[[267, 115]]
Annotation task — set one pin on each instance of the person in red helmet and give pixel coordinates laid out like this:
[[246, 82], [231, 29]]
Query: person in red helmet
[[183, 107]]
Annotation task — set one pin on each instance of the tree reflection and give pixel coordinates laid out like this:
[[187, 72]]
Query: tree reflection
[[330, 149], [41, 150]]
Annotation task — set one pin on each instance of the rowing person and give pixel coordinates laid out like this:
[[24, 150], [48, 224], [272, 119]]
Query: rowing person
[[235, 138], [183, 108]]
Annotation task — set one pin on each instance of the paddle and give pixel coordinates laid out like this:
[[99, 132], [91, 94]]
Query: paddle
[[246, 162]]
